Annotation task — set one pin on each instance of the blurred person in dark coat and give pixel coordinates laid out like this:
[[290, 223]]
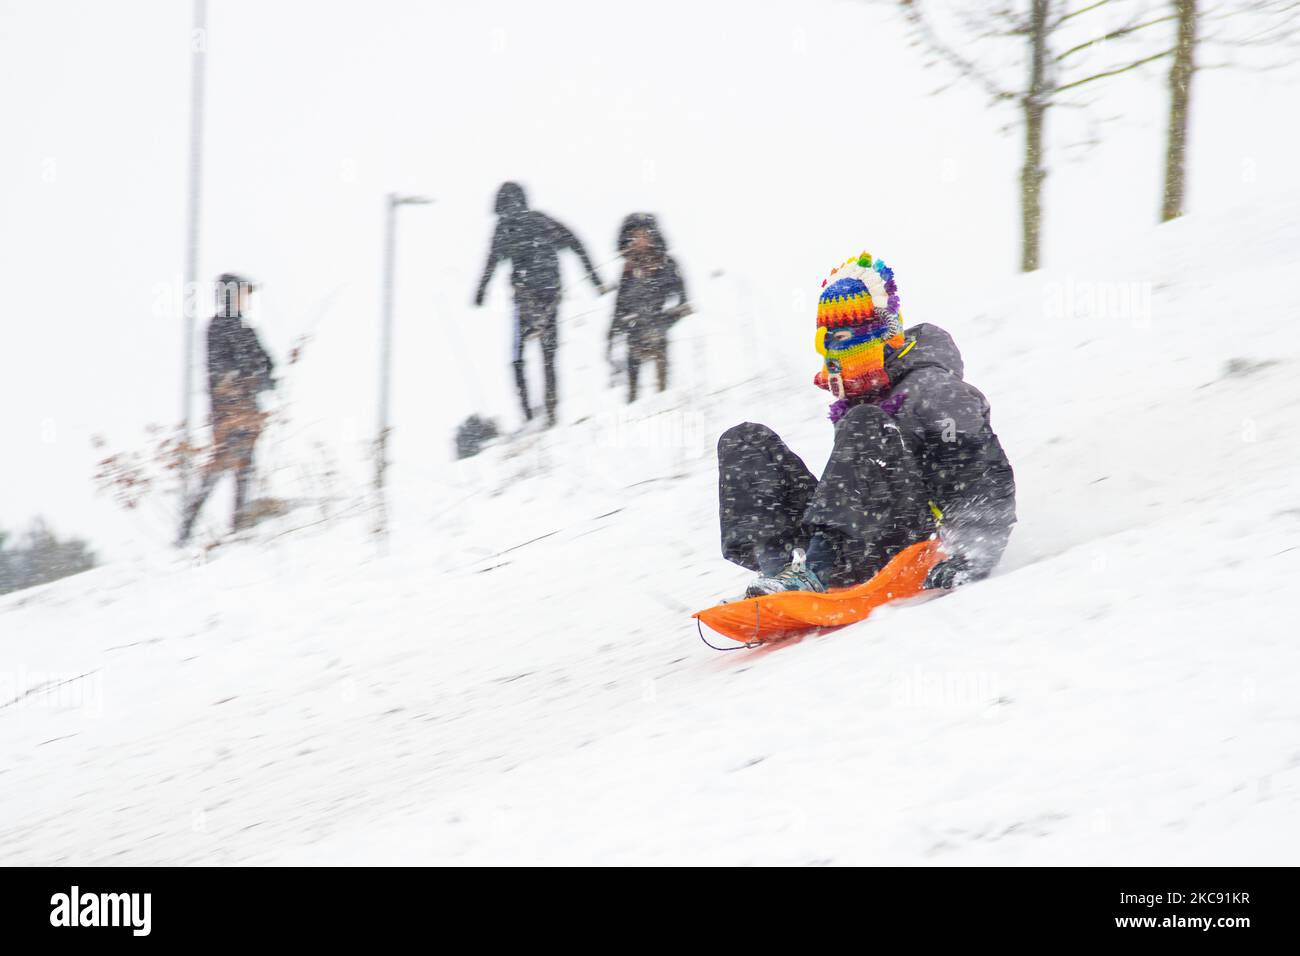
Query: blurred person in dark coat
[[239, 370], [651, 279], [531, 242]]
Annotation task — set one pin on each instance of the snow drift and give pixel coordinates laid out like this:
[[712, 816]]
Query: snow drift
[[515, 677]]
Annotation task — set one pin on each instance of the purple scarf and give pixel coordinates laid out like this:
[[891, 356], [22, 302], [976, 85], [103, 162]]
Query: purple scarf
[[889, 404]]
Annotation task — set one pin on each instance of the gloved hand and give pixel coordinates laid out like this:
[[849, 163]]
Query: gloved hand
[[952, 573], [602, 289]]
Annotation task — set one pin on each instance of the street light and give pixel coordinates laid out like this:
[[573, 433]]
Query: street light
[[189, 304], [391, 203]]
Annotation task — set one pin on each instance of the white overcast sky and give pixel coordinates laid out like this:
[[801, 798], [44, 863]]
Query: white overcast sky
[[773, 139]]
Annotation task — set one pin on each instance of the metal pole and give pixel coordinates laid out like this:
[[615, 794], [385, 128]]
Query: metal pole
[[198, 64], [385, 356], [391, 202]]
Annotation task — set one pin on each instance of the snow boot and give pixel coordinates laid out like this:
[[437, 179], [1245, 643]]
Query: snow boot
[[795, 576]]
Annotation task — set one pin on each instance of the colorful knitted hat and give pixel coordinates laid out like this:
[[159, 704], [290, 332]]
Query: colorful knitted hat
[[859, 296]]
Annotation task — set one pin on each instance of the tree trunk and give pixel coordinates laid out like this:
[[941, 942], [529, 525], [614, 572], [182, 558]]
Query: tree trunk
[[1034, 105], [1180, 94]]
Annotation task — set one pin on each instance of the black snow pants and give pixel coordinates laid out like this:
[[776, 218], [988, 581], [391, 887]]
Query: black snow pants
[[870, 503], [536, 315]]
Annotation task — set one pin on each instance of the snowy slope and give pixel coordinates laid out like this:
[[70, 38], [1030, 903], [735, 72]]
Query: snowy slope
[[515, 677]]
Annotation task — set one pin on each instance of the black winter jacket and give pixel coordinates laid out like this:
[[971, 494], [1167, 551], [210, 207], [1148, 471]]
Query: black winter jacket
[[643, 295], [532, 242], [238, 366], [945, 422]]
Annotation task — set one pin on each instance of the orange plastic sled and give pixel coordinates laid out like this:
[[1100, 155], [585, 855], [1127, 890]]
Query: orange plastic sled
[[774, 617]]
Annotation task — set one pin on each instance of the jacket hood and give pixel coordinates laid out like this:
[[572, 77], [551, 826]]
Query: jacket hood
[[511, 200], [227, 287], [646, 221], [928, 346]]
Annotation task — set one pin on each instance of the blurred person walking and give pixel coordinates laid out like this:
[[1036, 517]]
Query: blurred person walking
[[651, 278], [532, 242], [239, 369]]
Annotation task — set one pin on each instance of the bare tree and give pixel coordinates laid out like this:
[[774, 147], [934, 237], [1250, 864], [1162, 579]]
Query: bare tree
[[1034, 104], [1231, 26], [1180, 94], [1058, 43]]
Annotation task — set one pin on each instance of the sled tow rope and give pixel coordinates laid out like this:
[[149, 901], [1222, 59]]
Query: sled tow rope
[[739, 647]]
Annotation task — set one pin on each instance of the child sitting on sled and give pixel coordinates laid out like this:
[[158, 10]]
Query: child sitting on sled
[[914, 455]]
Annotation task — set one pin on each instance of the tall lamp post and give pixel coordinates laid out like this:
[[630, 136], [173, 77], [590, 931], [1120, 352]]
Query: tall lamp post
[[189, 305], [392, 203]]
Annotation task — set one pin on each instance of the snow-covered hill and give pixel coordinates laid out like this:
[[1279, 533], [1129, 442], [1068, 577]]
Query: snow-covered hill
[[515, 677]]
